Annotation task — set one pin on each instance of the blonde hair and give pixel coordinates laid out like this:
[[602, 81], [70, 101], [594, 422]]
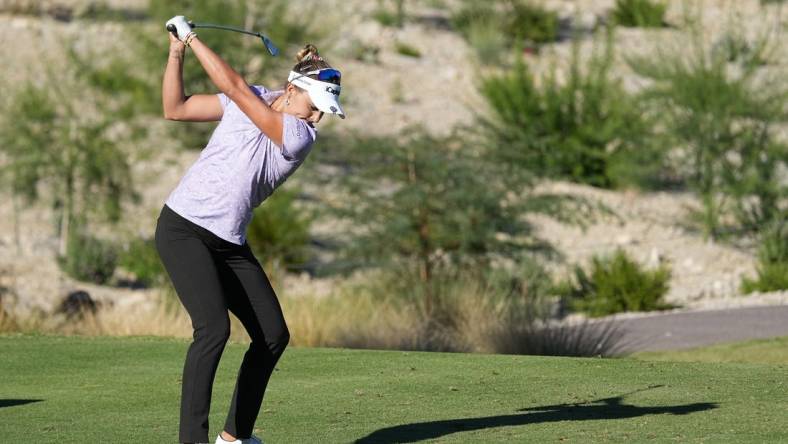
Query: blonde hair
[[309, 59]]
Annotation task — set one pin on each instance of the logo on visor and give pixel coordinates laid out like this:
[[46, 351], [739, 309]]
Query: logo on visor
[[332, 90]]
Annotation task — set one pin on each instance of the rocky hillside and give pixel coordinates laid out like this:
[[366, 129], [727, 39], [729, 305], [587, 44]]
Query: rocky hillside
[[383, 93]]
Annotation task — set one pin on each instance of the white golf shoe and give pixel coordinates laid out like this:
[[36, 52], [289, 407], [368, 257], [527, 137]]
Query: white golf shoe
[[252, 440]]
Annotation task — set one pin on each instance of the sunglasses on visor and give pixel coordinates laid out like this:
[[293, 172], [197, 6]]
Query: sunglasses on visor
[[326, 75]]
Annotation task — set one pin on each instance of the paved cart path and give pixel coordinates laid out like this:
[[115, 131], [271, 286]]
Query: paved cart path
[[672, 331]]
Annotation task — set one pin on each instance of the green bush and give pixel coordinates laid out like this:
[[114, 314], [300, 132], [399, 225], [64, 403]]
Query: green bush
[[489, 43], [279, 232], [407, 50], [616, 284], [771, 277], [358, 50], [88, 258], [530, 23], [585, 128], [640, 13], [386, 17], [734, 47], [473, 12], [495, 26], [141, 258], [725, 119], [772, 261]]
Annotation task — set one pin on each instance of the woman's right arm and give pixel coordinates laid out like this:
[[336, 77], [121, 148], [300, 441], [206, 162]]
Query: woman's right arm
[[194, 108]]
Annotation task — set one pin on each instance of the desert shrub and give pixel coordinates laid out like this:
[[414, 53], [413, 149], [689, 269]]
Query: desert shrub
[[471, 12], [615, 284], [88, 258], [363, 52], [772, 260], [585, 128], [489, 43], [530, 23], [496, 26], [734, 47], [279, 231], [141, 258], [407, 50], [640, 13], [77, 157], [724, 118], [388, 16], [771, 277]]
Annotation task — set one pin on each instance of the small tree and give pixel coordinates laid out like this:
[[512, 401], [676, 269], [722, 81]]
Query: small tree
[[48, 140], [427, 205], [723, 117]]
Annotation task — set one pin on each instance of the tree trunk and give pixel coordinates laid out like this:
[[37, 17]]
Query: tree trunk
[[15, 202], [423, 227], [65, 225], [425, 269]]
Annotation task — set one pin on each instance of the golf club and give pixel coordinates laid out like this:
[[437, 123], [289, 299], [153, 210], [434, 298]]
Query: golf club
[[269, 45]]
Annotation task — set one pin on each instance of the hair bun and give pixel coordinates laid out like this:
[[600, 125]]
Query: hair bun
[[308, 52]]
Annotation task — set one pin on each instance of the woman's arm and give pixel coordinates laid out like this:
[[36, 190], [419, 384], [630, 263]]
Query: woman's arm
[[235, 87], [196, 108]]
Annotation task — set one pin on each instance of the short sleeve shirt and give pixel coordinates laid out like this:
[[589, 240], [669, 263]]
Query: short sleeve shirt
[[238, 169]]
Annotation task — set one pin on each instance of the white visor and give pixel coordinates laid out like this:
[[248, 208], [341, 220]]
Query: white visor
[[324, 95]]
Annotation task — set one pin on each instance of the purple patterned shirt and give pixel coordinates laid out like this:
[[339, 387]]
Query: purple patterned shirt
[[238, 169]]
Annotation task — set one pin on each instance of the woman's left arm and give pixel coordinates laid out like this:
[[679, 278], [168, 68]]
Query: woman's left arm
[[235, 87]]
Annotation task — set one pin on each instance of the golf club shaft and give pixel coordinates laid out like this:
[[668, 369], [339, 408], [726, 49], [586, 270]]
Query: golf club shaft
[[227, 28], [272, 49]]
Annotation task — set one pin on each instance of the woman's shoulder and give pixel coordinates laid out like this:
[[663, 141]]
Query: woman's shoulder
[[259, 89], [267, 94]]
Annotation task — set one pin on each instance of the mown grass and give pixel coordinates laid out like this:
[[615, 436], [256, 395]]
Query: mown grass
[[764, 351], [106, 389]]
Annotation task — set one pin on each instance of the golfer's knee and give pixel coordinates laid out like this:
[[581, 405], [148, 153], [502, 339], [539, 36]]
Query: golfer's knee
[[214, 332], [279, 342]]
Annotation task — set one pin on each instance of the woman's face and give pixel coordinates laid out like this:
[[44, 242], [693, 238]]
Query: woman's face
[[301, 105]]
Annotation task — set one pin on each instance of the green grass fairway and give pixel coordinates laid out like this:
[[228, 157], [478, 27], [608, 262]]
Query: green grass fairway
[[764, 351], [56, 389]]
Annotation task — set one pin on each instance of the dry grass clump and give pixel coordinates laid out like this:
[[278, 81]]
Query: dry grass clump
[[468, 316]]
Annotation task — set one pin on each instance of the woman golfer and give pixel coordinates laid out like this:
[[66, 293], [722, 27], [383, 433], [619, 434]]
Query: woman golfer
[[262, 138]]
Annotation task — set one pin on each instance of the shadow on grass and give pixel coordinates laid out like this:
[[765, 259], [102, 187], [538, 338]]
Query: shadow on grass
[[606, 408], [13, 402]]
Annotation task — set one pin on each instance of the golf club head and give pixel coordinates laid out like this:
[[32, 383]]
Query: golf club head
[[269, 45]]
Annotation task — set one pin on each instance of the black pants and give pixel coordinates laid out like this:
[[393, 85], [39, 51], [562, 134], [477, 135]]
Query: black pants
[[210, 276]]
